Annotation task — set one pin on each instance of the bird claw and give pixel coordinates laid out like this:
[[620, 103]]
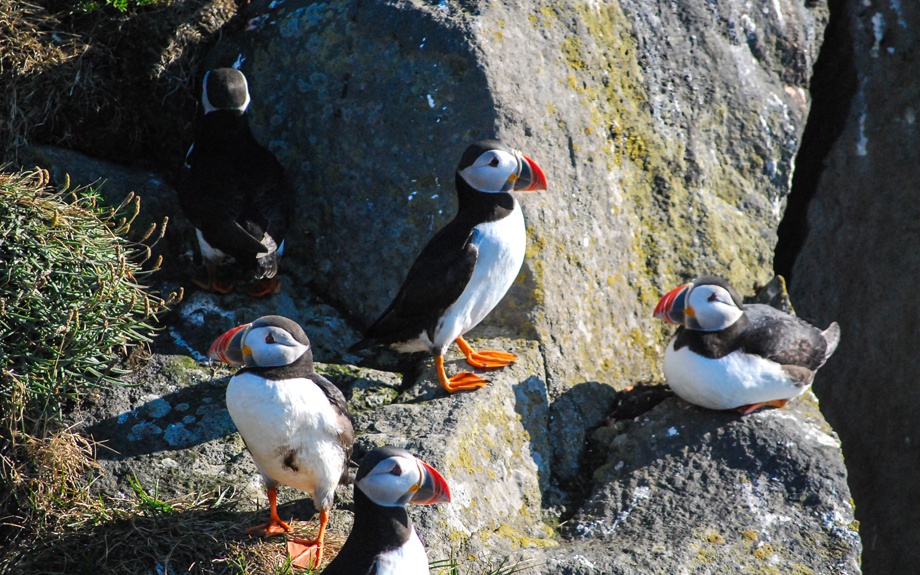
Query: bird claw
[[214, 285]]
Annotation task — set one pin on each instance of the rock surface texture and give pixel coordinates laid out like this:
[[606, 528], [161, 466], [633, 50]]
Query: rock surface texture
[[668, 133], [858, 265]]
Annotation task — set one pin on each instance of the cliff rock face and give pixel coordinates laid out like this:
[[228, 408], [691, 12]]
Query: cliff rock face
[[858, 266], [668, 133]]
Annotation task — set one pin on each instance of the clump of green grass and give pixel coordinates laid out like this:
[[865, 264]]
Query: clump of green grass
[[73, 307]]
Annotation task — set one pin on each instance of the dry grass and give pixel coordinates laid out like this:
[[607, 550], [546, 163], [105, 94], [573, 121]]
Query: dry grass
[[136, 533], [130, 75]]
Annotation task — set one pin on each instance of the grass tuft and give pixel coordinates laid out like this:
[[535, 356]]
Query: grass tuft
[[73, 308]]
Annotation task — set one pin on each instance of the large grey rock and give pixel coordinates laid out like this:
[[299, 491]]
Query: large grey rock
[[680, 118], [858, 266], [687, 490]]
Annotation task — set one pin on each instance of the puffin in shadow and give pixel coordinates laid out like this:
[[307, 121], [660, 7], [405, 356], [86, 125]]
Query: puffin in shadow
[[234, 191], [727, 355], [294, 421], [383, 540], [466, 268]]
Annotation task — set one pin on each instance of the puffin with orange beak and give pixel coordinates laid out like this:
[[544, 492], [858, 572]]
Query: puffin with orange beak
[[294, 421], [466, 268], [727, 355], [383, 540]]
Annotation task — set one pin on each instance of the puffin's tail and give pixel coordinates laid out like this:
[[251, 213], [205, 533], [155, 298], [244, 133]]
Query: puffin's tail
[[363, 344], [267, 264], [832, 337]]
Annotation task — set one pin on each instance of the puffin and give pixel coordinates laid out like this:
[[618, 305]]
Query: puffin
[[728, 355], [466, 268], [234, 191], [383, 540], [295, 422]]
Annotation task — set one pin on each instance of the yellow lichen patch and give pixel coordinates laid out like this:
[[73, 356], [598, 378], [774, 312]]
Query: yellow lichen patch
[[749, 535], [520, 541], [763, 552]]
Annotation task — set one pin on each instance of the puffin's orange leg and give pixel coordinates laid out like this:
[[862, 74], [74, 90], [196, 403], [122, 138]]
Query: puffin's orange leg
[[748, 409], [212, 284], [462, 381], [308, 553], [264, 287], [275, 525], [485, 359]]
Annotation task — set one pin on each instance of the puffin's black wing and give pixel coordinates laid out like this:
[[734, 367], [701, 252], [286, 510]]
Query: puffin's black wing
[[435, 281], [783, 338], [213, 199], [337, 399], [235, 191]]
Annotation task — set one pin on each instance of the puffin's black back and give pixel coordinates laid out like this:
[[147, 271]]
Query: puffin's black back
[[376, 530], [234, 190], [762, 330]]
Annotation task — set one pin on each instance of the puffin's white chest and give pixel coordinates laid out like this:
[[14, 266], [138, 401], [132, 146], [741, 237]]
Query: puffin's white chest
[[290, 428], [732, 381], [501, 245], [410, 559]]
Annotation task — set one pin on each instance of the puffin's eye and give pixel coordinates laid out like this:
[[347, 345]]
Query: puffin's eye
[[397, 471], [712, 297], [494, 162], [269, 338]]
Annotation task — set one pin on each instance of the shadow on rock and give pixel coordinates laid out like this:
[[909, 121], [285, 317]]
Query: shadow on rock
[[185, 418]]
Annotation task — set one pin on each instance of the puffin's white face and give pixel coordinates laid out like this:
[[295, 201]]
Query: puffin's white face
[[271, 346], [493, 172], [710, 308], [393, 481]]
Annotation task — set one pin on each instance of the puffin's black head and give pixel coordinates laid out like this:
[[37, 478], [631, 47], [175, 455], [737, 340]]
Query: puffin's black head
[[224, 89], [708, 303], [270, 341], [393, 477], [492, 167]]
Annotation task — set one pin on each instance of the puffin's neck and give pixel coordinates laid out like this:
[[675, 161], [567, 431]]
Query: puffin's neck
[[217, 126], [481, 206], [387, 527], [300, 367]]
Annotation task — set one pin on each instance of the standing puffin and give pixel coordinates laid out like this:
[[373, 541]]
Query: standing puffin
[[726, 355], [466, 268], [383, 540], [234, 191], [295, 422]]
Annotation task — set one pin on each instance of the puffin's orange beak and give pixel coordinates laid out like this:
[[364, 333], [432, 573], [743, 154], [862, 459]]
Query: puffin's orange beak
[[228, 348], [433, 487], [531, 178], [672, 306]]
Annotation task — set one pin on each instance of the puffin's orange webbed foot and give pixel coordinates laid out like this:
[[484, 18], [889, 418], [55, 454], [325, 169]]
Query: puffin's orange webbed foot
[[213, 285], [274, 525], [308, 553], [269, 528], [265, 287], [305, 553], [748, 409], [463, 381], [487, 359]]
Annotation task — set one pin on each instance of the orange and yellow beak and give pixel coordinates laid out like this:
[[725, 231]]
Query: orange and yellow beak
[[228, 348], [673, 306], [432, 488], [530, 178]]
